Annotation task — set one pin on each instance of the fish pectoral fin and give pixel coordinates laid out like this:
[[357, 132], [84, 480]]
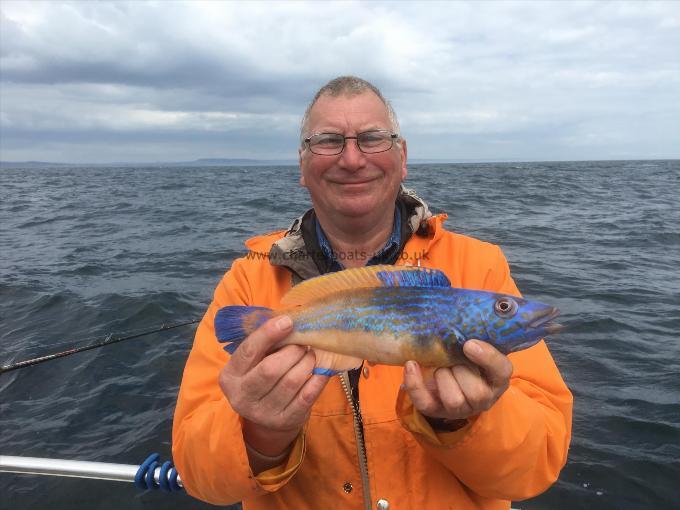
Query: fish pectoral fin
[[330, 363], [452, 331]]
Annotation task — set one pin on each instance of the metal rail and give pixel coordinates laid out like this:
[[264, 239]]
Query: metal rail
[[76, 469], [73, 468]]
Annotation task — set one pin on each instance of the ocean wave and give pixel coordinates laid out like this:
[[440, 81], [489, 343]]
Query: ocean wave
[[90, 252]]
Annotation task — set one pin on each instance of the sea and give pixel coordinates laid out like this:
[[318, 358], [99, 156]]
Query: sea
[[88, 252]]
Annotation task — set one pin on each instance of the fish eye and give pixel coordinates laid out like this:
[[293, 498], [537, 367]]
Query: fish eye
[[505, 307]]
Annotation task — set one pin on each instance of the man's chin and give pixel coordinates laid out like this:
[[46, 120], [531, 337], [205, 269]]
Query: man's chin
[[356, 188], [358, 206]]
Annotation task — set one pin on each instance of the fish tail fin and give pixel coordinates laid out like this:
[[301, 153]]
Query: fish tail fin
[[330, 363], [234, 323]]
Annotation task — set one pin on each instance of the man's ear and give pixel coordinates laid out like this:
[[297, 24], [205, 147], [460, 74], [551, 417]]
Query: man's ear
[[302, 175]]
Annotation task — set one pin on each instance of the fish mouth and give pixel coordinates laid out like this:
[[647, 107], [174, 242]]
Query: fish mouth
[[541, 319]]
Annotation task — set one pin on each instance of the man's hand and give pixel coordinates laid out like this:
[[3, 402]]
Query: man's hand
[[272, 392], [460, 391]]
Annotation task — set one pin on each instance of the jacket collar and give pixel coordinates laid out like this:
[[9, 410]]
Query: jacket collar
[[299, 249]]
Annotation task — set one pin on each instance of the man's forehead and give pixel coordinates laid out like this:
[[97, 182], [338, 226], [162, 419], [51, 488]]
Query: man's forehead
[[365, 107]]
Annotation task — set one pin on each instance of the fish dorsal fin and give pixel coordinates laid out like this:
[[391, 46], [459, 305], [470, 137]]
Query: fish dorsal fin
[[364, 278]]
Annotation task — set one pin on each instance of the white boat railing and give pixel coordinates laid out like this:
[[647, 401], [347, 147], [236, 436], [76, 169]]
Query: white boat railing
[[77, 469], [74, 468]]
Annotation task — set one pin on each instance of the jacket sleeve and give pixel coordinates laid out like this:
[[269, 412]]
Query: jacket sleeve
[[208, 447], [516, 449]]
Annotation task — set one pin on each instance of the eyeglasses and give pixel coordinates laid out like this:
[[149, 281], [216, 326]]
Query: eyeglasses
[[369, 142]]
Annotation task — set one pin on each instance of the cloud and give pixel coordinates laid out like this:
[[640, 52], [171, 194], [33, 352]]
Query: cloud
[[537, 80]]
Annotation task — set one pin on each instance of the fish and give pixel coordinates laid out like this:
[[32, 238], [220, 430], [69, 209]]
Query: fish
[[390, 315]]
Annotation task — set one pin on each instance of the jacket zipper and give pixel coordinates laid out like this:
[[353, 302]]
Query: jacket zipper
[[359, 434]]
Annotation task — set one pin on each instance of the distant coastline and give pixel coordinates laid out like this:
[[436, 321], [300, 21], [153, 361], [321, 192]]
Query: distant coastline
[[212, 162], [203, 162]]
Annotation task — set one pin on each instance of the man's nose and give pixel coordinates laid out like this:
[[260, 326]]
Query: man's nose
[[352, 158]]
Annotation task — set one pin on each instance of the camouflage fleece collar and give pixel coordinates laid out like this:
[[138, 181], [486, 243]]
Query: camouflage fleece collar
[[291, 252]]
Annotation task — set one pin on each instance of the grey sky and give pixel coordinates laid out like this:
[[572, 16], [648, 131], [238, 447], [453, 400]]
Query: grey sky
[[160, 81]]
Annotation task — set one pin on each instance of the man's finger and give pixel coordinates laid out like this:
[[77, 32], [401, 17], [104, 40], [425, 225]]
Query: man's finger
[[450, 393], [478, 394], [422, 398], [496, 366], [291, 380], [266, 375], [259, 343], [299, 408]]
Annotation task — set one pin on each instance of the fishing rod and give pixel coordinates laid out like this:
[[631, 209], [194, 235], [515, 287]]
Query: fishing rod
[[110, 339]]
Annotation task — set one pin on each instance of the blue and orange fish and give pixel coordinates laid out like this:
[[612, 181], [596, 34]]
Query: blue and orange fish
[[392, 314]]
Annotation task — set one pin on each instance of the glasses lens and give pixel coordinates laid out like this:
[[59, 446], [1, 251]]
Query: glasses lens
[[326, 143], [374, 141]]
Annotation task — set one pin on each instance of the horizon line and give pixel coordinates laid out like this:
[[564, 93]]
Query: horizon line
[[292, 162]]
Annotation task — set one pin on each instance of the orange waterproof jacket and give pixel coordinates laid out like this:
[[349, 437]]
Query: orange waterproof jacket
[[513, 451]]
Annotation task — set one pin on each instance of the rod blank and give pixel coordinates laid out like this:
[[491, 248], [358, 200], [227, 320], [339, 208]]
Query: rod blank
[[109, 340]]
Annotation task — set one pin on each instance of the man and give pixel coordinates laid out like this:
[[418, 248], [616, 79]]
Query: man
[[260, 428]]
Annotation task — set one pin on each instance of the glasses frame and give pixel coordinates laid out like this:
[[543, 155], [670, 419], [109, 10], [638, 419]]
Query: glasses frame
[[392, 138]]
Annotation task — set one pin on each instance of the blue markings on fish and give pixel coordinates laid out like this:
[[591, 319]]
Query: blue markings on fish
[[392, 314]]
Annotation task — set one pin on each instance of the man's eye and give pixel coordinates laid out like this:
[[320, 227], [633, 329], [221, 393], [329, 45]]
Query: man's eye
[[327, 140], [372, 138]]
